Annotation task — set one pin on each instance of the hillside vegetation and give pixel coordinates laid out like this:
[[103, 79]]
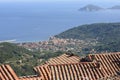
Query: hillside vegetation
[[21, 59], [107, 35], [93, 38]]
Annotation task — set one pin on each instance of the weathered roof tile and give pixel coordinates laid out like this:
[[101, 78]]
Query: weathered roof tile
[[6, 73], [65, 67]]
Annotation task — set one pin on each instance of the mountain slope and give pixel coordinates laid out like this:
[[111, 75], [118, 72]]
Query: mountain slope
[[18, 57], [115, 7], [100, 31], [10, 51], [90, 8], [107, 34], [21, 59]]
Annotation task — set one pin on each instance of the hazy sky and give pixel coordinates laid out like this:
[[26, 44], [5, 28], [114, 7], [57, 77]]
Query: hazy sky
[[96, 2], [34, 0], [55, 0], [33, 17]]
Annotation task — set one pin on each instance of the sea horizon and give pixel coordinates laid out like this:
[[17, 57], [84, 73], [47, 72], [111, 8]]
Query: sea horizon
[[31, 22]]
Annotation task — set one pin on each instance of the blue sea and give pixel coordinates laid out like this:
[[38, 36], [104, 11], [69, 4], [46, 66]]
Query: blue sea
[[38, 21]]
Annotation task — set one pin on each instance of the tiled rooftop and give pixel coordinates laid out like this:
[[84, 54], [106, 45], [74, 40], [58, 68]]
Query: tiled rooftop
[[6, 73], [64, 59], [31, 78], [69, 67], [110, 63]]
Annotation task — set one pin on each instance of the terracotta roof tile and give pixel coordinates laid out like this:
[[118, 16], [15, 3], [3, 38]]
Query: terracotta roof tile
[[6, 73], [31, 78], [44, 71], [76, 71], [65, 67], [109, 62], [103, 66], [64, 59]]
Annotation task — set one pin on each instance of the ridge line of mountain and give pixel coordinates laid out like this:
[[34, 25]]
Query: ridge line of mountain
[[91, 7]]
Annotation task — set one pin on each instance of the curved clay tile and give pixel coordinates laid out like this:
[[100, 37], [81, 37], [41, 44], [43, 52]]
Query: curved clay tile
[[67, 67], [70, 68], [31, 78], [6, 73], [109, 61], [64, 59]]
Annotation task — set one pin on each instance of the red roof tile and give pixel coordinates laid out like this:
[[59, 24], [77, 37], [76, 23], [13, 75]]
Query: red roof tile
[[64, 59], [6, 73], [110, 62], [76, 71], [31, 78], [44, 71], [65, 67], [107, 66]]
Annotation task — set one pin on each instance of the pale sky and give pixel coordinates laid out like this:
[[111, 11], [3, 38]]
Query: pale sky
[[34, 0], [54, 0]]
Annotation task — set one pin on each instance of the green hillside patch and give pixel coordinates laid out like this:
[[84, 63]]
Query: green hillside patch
[[21, 59], [107, 35]]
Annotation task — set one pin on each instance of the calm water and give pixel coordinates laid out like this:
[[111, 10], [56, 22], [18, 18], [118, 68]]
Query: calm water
[[39, 21]]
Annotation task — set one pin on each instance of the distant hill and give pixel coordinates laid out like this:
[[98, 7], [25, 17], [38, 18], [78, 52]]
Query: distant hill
[[90, 7], [107, 34], [93, 38], [115, 7]]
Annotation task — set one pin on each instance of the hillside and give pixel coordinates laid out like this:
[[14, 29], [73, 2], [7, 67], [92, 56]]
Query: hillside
[[90, 7], [93, 38], [10, 52], [21, 59], [107, 35], [116, 7]]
